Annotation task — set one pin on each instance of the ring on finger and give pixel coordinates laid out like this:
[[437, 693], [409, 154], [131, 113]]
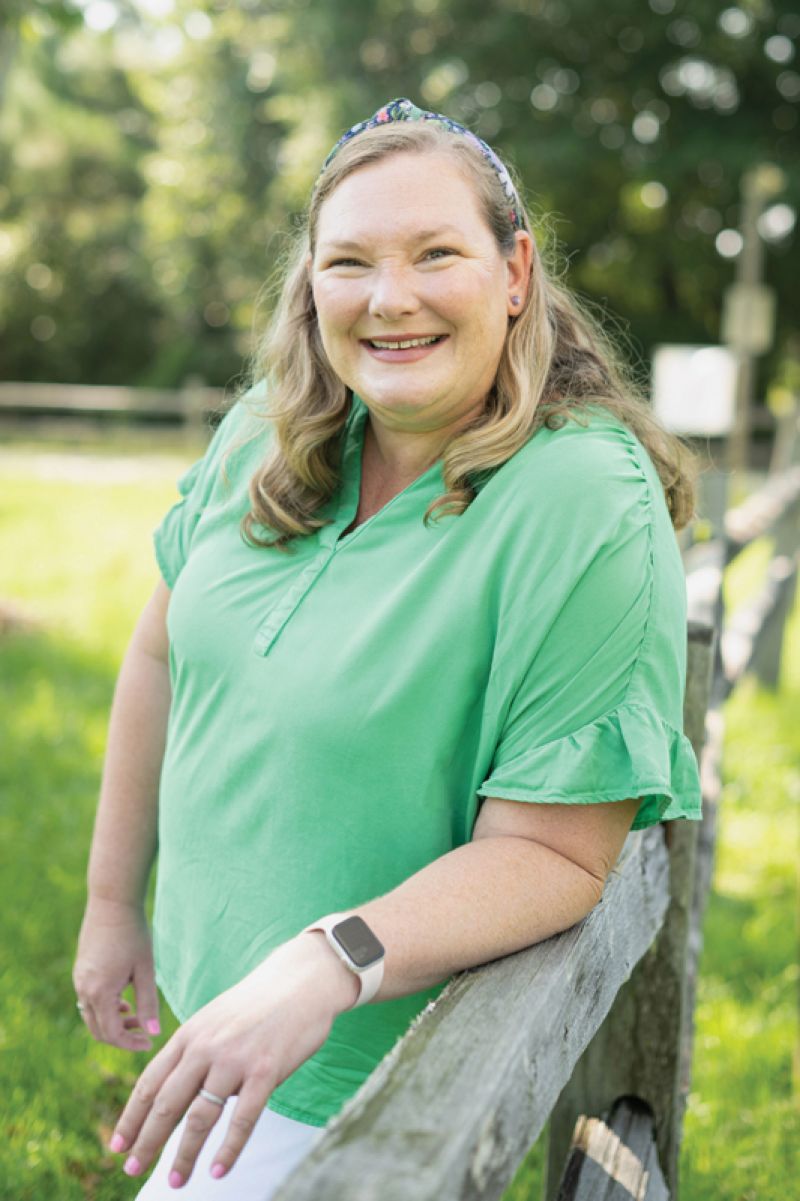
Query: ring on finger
[[209, 1096]]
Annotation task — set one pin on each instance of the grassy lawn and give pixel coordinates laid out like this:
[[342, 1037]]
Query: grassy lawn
[[75, 556]]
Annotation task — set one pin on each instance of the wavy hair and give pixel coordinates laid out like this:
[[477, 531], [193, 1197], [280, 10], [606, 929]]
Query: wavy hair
[[557, 360]]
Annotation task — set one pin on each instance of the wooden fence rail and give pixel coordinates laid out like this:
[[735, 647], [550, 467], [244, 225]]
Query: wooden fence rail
[[189, 407]]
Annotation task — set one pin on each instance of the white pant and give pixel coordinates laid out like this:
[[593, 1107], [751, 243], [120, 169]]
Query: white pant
[[276, 1145]]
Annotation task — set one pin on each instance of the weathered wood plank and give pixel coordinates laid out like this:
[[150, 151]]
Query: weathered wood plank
[[704, 564], [615, 1159], [452, 1110], [752, 639], [98, 398], [777, 497]]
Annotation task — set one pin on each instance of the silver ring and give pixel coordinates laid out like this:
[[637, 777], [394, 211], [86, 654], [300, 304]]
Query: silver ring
[[211, 1096], [80, 1005]]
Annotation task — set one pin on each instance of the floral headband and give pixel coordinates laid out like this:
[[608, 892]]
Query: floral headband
[[402, 109]]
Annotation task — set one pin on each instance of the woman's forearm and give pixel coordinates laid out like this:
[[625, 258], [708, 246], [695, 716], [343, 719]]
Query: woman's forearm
[[125, 833], [480, 901]]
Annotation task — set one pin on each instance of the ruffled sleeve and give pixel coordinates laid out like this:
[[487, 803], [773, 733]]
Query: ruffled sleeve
[[172, 538], [629, 752], [588, 690]]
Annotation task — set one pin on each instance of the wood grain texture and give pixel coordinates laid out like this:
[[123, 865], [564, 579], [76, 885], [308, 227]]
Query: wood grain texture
[[455, 1106], [615, 1159]]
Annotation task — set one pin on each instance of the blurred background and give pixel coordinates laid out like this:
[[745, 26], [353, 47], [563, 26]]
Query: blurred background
[[154, 154]]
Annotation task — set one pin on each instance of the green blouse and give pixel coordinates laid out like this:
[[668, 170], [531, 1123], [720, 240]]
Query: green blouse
[[338, 712]]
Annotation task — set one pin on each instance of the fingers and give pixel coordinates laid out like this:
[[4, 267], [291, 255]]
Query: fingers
[[156, 1105], [159, 1102], [108, 1013], [201, 1118], [253, 1096], [126, 1030], [144, 985]]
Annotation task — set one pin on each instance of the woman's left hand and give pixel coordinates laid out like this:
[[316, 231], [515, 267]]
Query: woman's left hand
[[246, 1041]]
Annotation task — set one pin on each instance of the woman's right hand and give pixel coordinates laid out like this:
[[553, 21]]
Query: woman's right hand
[[115, 950]]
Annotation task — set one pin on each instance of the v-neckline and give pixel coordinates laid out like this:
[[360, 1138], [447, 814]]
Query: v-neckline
[[352, 462]]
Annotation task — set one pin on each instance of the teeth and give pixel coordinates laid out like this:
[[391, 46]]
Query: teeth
[[404, 345]]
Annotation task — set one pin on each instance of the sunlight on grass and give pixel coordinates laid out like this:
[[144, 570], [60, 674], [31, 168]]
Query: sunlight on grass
[[76, 559], [742, 1130]]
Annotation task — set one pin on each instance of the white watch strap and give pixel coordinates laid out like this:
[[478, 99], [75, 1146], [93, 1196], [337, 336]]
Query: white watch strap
[[369, 977]]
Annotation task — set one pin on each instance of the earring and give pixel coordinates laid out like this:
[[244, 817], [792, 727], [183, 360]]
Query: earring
[[515, 299]]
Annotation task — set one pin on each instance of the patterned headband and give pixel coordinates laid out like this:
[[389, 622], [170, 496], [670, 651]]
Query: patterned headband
[[403, 109]]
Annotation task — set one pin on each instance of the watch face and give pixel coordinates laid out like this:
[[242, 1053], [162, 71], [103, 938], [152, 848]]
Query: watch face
[[355, 936]]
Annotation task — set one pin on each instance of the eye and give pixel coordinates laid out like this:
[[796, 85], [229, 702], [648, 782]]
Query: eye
[[441, 250]]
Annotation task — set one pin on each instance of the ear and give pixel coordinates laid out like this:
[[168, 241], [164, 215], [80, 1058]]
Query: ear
[[518, 268]]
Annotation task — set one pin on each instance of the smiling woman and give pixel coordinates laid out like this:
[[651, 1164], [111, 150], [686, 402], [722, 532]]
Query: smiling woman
[[414, 669], [449, 306]]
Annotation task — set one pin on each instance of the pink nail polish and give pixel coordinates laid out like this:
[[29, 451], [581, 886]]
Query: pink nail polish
[[131, 1167], [218, 1170], [117, 1143], [153, 1026], [175, 1180]]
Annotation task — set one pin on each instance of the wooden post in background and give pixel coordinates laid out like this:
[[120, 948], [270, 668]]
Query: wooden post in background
[[748, 318], [194, 414]]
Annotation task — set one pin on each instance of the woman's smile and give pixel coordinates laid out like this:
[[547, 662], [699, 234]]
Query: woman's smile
[[403, 353]]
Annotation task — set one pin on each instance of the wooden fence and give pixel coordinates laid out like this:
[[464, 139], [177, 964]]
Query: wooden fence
[[188, 407]]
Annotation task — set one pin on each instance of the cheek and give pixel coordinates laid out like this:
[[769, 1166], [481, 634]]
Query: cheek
[[336, 304], [465, 299]]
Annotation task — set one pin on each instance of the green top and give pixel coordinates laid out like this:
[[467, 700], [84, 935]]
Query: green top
[[338, 712]]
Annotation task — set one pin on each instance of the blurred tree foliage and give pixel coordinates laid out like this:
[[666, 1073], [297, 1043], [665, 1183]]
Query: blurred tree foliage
[[154, 153]]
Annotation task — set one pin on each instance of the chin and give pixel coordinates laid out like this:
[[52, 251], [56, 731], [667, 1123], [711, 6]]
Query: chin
[[397, 398]]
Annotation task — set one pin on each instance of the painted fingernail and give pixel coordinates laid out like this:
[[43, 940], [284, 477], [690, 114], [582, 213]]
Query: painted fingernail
[[175, 1179], [132, 1167], [153, 1026], [218, 1170], [117, 1143]]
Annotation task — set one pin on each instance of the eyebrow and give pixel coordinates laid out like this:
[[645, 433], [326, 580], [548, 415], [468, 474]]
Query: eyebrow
[[422, 236]]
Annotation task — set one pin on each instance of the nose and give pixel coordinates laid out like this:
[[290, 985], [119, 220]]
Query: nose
[[392, 293]]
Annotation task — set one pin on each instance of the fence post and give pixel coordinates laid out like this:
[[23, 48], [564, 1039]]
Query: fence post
[[192, 397], [640, 1048], [768, 647]]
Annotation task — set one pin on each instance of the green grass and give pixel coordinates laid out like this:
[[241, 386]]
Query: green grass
[[75, 555], [742, 1129]]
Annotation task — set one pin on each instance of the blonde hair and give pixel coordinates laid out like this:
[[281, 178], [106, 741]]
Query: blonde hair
[[556, 361]]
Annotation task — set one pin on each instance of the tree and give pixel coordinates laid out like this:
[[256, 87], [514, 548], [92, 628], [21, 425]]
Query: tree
[[157, 161]]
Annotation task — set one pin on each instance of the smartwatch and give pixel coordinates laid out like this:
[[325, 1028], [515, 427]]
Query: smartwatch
[[358, 949]]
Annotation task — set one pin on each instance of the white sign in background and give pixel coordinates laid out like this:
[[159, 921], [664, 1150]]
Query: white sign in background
[[694, 389]]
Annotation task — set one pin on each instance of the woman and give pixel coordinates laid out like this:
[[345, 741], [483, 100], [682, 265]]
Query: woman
[[414, 670]]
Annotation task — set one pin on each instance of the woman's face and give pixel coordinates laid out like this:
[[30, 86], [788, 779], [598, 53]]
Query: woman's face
[[403, 250]]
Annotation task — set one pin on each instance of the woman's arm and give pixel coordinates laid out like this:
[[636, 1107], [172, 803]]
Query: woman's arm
[[124, 840], [530, 871], [114, 944]]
